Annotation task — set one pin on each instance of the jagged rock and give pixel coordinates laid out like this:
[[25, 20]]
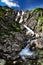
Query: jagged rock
[[12, 32]]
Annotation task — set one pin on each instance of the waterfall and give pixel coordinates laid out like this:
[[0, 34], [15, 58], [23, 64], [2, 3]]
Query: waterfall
[[26, 52]]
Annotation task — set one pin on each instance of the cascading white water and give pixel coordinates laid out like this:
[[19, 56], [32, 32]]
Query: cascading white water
[[25, 52]]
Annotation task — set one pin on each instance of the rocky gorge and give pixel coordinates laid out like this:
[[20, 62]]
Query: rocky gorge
[[21, 31]]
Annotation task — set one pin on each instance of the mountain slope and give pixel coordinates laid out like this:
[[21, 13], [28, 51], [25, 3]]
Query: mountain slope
[[11, 17], [13, 36]]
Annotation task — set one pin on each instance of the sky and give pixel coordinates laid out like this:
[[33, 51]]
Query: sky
[[22, 4]]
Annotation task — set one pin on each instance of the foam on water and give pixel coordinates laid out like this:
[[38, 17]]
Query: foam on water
[[26, 52]]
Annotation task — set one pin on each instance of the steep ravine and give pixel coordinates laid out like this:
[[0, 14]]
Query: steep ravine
[[14, 39]]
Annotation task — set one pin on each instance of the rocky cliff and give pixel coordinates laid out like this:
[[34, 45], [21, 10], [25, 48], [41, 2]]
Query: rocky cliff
[[33, 19], [12, 32]]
